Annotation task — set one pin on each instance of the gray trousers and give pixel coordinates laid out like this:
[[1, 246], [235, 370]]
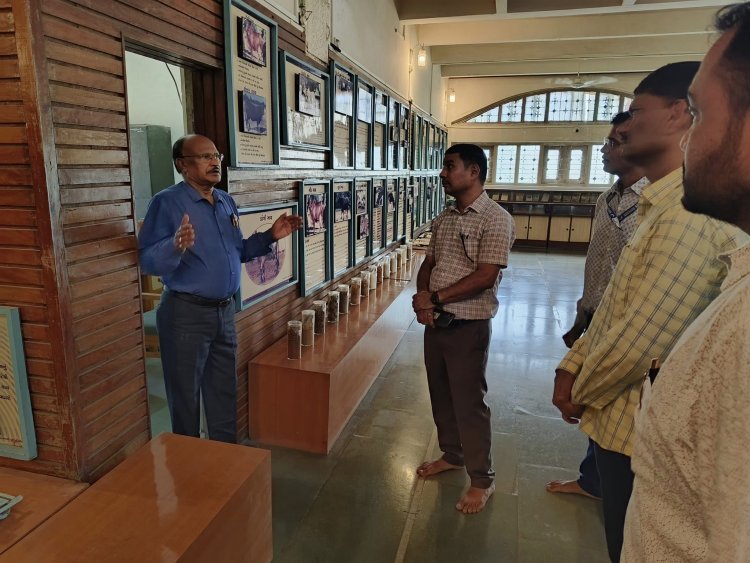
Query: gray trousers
[[456, 361], [198, 354]]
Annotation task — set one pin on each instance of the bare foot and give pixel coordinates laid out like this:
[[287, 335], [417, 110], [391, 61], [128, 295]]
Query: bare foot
[[474, 499], [571, 487], [430, 468]]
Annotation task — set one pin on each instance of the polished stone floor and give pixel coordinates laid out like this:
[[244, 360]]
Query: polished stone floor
[[363, 502]]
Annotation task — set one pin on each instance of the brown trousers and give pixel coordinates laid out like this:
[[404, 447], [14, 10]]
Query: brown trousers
[[456, 361]]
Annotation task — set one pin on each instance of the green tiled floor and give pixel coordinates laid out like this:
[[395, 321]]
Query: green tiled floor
[[363, 503]]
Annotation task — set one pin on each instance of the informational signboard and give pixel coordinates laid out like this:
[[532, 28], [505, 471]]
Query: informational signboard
[[17, 438]]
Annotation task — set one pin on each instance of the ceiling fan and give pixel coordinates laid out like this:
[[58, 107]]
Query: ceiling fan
[[578, 82]]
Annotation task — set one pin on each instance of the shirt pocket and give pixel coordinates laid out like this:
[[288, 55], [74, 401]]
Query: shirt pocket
[[471, 239]]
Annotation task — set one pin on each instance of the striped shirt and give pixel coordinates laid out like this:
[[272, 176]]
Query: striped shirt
[[667, 274], [482, 234]]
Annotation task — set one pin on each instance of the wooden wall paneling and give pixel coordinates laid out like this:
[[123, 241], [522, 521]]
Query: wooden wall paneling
[[30, 272]]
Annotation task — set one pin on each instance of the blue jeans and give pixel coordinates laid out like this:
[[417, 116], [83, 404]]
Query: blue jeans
[[589, 479], [198, 355]]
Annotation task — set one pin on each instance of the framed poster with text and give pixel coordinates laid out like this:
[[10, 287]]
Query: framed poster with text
[[343, 226], [304, 104], [342, 116], [401, 208], [277, 270], [391, 193], [378, 214], [406, 137], [380, 132], [393, 133], [250, 47], [365, 108], [409, 218], [17, 436], [362, 229], [315, 207]]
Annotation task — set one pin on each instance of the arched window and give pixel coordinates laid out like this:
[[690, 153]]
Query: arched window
[[553, 106]]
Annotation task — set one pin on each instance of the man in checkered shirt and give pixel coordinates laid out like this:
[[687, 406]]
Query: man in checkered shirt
[[458, 279]]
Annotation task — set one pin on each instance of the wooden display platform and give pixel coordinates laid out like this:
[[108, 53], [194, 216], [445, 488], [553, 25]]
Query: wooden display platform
[[304, 404], [42, 496], [175, 499]]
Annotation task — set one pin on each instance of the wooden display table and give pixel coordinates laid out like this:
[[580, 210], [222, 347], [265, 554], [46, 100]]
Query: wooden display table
[[304, 404], [42, 496], [175, 499]]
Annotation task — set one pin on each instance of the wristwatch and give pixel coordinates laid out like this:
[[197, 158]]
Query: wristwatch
[[434, 299]]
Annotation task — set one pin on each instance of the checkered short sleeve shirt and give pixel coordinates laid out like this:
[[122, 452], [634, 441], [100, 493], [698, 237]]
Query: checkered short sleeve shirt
[[482, 234]]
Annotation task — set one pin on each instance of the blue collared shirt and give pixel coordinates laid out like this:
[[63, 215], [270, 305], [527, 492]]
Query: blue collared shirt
[[211, 268]]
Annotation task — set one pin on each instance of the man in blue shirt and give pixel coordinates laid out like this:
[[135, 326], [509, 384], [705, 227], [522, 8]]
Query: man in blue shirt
[[191, 238]]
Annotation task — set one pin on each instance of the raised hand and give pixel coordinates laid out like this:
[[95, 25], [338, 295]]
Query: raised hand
[[285, 225], [184, 238]]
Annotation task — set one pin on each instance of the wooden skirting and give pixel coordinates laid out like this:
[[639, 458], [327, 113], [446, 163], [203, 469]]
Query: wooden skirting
[[175, 499], [304, 404]]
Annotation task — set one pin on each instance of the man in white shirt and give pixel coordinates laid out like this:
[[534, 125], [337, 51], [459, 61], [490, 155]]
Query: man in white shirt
[[691, 499]]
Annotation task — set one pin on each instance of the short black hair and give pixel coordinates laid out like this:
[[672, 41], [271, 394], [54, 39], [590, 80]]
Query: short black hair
[[621, 117], [735, 61], [670, 81], [471, 154]]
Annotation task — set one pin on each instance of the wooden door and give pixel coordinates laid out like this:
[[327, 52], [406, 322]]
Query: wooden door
[[580, 229], [522, 226], [538, 226], [559, 229]]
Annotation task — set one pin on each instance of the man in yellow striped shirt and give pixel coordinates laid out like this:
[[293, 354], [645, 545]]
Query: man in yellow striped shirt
[[668, 273]]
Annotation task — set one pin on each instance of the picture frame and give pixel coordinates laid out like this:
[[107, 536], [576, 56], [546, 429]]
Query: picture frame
[[343, 227], [252, 86], [269, 274], [251, 41], [17, 435], [308, 95], [310, 128], [363, 221], [364, 136], [343, 127], [315, 239], [377, 197]]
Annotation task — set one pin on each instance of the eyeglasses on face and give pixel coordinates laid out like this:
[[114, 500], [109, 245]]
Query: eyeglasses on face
[[206, 156]]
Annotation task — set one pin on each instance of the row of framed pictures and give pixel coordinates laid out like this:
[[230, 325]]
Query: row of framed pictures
[[345, 222], [276, 98]]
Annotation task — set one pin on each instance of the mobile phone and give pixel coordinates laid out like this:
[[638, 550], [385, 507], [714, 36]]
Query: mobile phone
[[442, 319]]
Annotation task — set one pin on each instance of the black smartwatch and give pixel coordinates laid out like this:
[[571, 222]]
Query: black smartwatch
[[434, 299]]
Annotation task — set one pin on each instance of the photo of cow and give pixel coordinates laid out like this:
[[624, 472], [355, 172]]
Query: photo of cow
[[315, 214], [342, 206]]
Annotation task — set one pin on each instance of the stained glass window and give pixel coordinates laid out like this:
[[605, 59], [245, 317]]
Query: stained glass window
[[506, 164], [535, 108], [511, 112], [528, 164], [597, 175]]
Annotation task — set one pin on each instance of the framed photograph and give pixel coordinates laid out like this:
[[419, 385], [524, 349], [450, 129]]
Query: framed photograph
[[315, 213], [254, 114], [252, 41], [250, 48], [277, 270], [308, 95], [363, 231], [378, 214], [304, 104], [316, 242], [342, 118], [343, 100], [17, 436], [364, 103], [343, 226]]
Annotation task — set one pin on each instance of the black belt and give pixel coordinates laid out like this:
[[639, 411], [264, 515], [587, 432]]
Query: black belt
[[202, 301], [459, 322]]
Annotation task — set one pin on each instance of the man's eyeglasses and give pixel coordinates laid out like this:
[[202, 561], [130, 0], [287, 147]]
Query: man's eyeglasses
[[206, 156]]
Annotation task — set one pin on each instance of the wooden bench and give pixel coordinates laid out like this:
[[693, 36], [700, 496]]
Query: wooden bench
[[304, 404], [43, 496], [175, 499]]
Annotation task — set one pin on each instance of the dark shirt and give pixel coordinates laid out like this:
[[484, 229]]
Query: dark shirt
[[211, 268]]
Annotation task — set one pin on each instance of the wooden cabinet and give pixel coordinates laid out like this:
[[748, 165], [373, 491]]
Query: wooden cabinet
[[570, 229], [547, 219]]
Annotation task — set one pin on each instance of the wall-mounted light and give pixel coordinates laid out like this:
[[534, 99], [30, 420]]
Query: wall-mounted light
[[451, 95], [421, 56]]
